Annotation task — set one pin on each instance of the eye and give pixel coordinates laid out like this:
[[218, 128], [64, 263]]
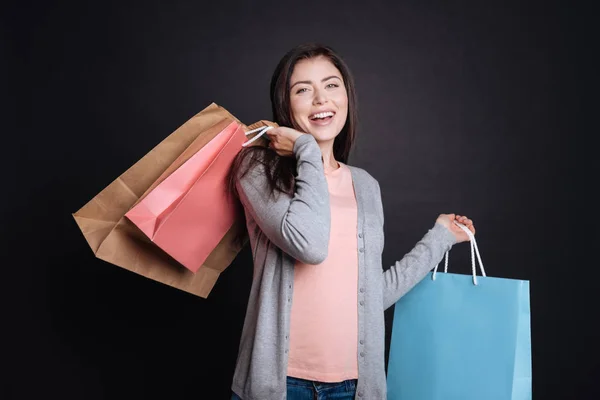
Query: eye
[[301, 90], [332, 85]]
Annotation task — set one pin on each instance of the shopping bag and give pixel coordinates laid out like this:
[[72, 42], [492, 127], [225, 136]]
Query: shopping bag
[[191, 210], [115, 239], [461, 337]]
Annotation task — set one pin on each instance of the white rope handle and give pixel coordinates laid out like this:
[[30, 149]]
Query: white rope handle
[[474, 251], [445, 266], [261, 131]]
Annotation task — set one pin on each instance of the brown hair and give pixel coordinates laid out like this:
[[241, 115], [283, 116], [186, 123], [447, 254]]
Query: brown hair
[[280, 171]]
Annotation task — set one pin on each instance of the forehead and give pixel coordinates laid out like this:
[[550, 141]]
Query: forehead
[[314, 69]]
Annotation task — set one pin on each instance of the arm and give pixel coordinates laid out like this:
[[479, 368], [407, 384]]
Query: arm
[[299, 225], [415, 265]]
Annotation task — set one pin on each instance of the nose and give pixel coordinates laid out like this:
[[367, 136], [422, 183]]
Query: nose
[[320, 97]]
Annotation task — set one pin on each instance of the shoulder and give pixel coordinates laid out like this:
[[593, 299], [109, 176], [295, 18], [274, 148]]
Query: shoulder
[[369, 189], [364, 178], [369, 193], [248, 174], [250, 163]]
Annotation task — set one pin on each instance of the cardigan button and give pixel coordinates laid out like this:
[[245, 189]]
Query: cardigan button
[[359, 394], [360, 235], [362, 250], [362, 290], [362, 303], [362, 354], [362, 342]]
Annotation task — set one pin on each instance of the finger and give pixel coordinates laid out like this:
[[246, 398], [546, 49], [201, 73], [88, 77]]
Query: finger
[[272, 132], [275, 140], [470, 226]]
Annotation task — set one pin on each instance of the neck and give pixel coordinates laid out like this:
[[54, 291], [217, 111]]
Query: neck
[[329, 161]]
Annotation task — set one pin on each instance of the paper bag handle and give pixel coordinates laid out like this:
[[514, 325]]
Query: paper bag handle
[[474, 251], [261, 131]]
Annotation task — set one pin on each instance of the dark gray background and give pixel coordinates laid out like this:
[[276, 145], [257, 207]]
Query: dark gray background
[[477, 108]]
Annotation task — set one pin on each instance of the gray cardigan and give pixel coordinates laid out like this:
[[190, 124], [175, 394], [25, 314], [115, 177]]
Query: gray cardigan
[[283, 228]]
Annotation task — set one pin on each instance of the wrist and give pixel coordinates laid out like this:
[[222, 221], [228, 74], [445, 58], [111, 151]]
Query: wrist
[[445, 232], [302, 139]]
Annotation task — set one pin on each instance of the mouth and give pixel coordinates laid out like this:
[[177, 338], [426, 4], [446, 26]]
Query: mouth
[[322, 118]]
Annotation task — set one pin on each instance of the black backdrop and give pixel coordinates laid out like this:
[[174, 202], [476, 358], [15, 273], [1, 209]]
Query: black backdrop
[[476, 108]]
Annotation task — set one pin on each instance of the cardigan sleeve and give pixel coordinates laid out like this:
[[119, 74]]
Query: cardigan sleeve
[[414, 266], [299, 225]]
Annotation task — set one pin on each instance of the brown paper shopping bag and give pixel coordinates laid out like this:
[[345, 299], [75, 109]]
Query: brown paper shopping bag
[[115, 239]]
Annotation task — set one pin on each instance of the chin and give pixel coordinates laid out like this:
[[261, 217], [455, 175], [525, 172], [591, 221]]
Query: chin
[[324, 135], [323, 138]]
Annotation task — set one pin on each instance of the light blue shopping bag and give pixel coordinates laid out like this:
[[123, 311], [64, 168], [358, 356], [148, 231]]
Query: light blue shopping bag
[[462, 337]]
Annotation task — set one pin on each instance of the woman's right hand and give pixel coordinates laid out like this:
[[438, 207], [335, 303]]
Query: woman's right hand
[[282, 140]]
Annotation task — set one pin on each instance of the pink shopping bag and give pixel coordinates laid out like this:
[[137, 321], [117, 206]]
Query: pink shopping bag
[[191, 210]]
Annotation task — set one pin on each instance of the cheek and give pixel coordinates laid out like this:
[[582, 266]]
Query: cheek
[[300, 107], [342, 100], [342, 104]]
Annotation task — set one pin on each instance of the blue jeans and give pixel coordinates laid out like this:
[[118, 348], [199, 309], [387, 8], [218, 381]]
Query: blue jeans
[[300, 389]]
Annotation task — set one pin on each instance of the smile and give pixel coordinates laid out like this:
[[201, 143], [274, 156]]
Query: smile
[[322, 115]]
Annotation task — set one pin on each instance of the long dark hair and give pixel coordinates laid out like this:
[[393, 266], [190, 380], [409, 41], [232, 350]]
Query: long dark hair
[[280, 171]]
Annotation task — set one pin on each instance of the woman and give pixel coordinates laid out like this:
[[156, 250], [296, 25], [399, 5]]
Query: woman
[[314, 326]]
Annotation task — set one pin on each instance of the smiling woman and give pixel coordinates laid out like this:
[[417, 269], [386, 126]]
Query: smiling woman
[[314, 324], [304, 72], [319, 100]]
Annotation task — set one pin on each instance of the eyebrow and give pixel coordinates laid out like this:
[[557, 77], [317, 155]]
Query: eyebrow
[[322, 80]]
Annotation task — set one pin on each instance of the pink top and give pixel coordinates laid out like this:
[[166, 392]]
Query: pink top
[[324, 318]]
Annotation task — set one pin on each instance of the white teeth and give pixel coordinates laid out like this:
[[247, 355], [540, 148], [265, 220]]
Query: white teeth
[[322, 115]]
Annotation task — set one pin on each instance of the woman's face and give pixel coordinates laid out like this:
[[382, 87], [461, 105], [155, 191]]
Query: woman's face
[[318, 98]]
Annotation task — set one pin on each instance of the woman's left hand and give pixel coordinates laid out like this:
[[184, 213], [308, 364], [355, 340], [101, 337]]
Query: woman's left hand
[[447, 220]]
